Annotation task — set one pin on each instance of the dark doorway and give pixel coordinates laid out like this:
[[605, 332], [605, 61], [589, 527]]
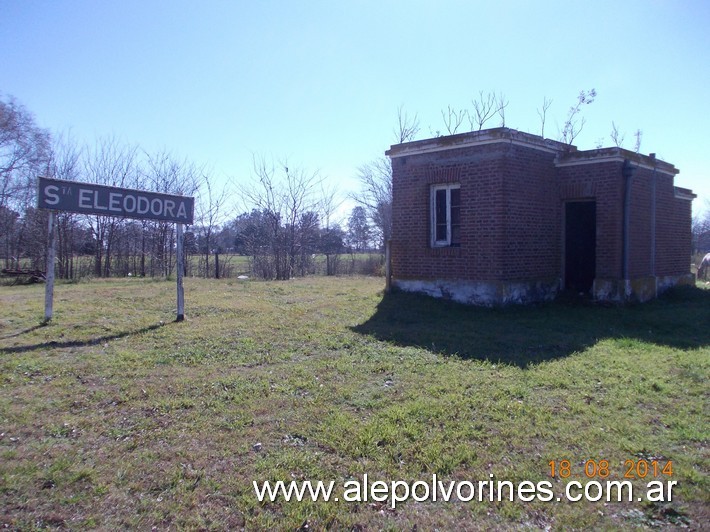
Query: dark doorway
[[580, 245]]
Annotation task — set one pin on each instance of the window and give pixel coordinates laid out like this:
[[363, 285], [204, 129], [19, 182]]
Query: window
[[446, 215]]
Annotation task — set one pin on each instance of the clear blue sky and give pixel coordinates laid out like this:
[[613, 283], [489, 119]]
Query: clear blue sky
[[319, 82]]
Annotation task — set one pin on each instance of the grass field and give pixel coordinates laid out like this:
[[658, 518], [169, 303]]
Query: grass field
[[113, 416]]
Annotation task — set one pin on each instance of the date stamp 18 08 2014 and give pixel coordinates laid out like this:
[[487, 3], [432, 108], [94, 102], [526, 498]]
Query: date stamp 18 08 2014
[[631, 469]]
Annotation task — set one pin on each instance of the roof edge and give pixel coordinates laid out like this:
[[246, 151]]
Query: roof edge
[[616, 154], [684, 193], [478, 138], [567, 154]]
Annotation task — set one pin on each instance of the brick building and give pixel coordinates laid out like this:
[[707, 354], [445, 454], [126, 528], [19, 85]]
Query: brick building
[[500, 216]]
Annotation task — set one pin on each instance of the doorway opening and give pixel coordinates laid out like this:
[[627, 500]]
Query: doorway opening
[[580, 245]]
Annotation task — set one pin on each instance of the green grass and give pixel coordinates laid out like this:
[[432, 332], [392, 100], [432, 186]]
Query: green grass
[[114, 416]]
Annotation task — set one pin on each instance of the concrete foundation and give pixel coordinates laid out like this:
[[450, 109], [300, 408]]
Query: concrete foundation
[[485, 293], [500, 293], [637, 290]]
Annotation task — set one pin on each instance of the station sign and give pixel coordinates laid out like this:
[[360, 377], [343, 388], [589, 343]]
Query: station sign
[[89, 198]]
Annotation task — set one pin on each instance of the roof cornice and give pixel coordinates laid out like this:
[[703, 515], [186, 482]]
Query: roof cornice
[[617, 155], [477, 138], [567, 154]]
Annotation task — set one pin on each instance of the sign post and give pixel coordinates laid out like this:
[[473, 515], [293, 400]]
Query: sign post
[[89, 198], [49, 276], [180, 269]]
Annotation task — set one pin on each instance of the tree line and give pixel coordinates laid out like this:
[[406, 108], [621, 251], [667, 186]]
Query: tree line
[[287, 226]]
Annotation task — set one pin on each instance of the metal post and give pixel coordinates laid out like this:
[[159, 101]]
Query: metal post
[[180, 269], [49, 277]]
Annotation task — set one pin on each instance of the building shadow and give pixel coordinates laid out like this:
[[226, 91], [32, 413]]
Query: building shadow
[[527, 335]]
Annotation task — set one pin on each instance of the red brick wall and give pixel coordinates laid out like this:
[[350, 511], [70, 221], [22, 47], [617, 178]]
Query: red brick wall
[[673, 230], [672, 227], [510, 214], [478, 171], [602, 182], [512, 199], [640, 230], [531, 211]]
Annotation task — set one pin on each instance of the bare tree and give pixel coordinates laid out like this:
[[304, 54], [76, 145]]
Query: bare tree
[[332, 244], [299, 199], [331, 236], [65, 163], [210, 202], [701, 229], [483, 110], [542, 113], [65, 158], [25, 152], [283, 195], [637, 144], [453, 119], [502, 103], [330, 202], [265, 197], [616, 136], [407, 128], [253, 236], [114, 164], [165, 173], [376, 195], [359, 229], [574, 123]]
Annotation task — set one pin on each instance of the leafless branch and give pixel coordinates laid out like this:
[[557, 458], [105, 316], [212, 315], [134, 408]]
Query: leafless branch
[[25, 152], [483, 110], [285, 196], [616, 136], [453, 119], [210, 203], [542, 113], [330, 202], [574, 125], [637, 144], [407, 128], [376, 194], [502, 102]]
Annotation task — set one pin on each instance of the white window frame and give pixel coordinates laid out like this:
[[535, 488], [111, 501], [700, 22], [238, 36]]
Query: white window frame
[[432, 198]]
